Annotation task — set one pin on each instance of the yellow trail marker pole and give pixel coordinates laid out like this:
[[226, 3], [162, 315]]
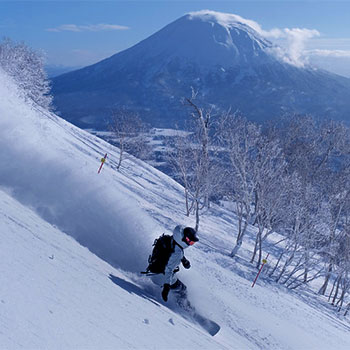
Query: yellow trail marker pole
[[102, 162], [264, 261]]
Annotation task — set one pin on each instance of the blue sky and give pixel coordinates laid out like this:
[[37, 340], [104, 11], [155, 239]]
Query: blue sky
[[79, 33]]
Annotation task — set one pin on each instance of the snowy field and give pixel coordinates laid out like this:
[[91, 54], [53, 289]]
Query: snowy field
[[73, 243]]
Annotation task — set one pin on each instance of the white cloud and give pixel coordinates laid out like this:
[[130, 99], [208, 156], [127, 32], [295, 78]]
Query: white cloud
[[292, 43], [87, 28], [226, 19], [297, 39], [293, 40]]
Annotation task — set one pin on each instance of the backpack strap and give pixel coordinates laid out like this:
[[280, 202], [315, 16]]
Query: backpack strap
[[175, 243]]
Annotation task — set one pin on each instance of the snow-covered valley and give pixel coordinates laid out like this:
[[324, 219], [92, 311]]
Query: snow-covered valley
[[73, 243]]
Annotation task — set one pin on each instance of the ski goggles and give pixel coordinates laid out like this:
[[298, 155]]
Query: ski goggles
[[189, 242]]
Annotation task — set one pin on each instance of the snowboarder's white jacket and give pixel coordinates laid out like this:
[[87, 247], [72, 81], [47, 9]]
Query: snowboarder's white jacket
[[176, 256]]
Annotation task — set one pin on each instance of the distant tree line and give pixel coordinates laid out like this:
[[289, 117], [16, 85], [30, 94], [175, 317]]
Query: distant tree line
[[26, 67], [291, 177]]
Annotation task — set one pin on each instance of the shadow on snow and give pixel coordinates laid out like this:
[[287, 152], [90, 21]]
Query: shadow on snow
[[132, 289]]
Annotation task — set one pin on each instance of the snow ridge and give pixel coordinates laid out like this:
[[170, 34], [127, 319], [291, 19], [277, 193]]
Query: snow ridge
[[227, 20]]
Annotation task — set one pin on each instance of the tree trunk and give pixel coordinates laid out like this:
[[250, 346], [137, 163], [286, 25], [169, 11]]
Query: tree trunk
[[286, 264], [121, 151], [255, 248], [341, 300], [260, 251], [306, 271], [347, 309], [239, 241], [236, 248], [187, 206], [276, 265], [197, 215], [331, 293], [336, 291], [322, 290]]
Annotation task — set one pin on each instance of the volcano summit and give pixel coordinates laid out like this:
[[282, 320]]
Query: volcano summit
[[222, 56]]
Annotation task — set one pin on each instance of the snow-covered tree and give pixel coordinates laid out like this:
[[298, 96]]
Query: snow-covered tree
[[193, 158], [180, 158], [341, 273], [305, 227], [239, 140], [128, 134], [26, 67], [270, 191], [339, 201], [317, 154]]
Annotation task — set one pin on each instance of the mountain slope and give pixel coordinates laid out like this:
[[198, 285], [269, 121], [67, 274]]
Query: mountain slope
[[56, 294], [220, 55]]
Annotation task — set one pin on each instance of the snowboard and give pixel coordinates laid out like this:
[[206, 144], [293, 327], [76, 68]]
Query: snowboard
[[181, 306], [209, 325], [188, 311]]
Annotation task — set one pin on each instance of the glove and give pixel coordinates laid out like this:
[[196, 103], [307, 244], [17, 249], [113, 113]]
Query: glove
[[165, 292], [186, 264]]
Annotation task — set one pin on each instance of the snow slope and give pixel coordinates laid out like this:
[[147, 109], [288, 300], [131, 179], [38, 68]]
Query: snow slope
[[54, 293]]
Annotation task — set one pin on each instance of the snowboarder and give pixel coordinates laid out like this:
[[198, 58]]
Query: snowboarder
[[182, 238], [167, 254]]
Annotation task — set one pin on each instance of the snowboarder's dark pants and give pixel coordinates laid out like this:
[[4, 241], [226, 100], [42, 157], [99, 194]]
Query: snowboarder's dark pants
[[181, 295]]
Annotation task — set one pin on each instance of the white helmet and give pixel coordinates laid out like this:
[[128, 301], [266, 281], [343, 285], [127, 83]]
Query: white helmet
[[184, 236]]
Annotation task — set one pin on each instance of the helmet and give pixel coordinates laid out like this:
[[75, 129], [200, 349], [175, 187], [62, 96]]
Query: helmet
[[185, 236], [190, 236]]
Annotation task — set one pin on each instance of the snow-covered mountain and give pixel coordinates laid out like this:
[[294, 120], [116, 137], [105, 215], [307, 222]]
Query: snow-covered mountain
[[222, 56], [58, 294]]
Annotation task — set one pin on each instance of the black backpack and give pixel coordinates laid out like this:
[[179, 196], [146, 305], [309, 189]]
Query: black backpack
[[163, 247]]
